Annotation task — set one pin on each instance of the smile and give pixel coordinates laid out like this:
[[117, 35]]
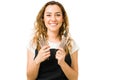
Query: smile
[[53, 24]]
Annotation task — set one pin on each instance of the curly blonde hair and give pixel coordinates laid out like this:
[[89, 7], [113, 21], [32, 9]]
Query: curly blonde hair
[[40, 29]]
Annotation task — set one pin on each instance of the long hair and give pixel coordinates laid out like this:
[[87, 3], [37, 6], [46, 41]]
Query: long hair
[[40, 29]]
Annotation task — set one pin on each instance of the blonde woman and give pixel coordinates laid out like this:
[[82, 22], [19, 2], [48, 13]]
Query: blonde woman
[[52, 53]]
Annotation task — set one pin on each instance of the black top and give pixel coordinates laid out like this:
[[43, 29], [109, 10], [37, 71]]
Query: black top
[[50, 70]]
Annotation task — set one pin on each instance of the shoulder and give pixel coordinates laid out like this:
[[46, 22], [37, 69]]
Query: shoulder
[[75, 47], [31, 47]]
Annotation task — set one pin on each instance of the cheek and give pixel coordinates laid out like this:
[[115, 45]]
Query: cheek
[[45, 19], [60, 20]]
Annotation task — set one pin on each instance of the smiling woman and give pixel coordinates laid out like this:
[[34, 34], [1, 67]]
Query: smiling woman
[[53, 18], [52, 53]]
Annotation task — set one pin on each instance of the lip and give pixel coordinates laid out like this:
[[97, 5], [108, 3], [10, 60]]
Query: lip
[[53, 24]]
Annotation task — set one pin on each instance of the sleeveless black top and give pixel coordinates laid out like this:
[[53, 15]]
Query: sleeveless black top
[[50, 70]]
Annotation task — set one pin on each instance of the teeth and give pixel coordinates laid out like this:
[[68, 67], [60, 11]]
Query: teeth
[[53, 24]]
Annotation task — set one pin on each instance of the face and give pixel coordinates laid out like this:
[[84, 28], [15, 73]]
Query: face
[[53, 17]]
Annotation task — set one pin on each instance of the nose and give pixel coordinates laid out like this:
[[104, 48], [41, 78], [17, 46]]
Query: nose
[[53, 18]]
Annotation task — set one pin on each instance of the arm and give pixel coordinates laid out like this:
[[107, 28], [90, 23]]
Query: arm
[[32, 67], [34, 64], [70, 72]]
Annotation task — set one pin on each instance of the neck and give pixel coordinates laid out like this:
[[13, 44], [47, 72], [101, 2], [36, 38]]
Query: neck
[[53, 36]]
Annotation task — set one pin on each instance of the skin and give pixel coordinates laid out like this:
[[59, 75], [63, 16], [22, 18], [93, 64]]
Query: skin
[[53, 20]]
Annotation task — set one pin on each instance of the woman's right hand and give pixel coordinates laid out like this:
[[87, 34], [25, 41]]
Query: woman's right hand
[[43, 54]]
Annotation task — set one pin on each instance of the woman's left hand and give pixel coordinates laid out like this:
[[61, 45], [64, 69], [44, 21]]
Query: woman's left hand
[[60, 55]]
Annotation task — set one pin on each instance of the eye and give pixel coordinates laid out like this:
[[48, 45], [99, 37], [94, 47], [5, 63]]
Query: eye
[[48, 15], [58, 14]]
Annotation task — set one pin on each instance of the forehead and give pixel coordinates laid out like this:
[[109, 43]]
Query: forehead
[[53, 9]]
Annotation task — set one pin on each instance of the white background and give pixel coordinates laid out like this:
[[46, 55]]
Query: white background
[[94, 24]]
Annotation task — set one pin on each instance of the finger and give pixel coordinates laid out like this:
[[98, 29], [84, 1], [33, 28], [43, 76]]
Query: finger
[[46, 54], [59, 53], [47, 50], [45, 47]]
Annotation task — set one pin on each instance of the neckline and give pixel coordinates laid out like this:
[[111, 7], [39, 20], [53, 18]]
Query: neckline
[[53, 42]]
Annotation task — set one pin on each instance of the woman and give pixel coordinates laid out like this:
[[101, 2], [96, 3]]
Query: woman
[[52, 54]]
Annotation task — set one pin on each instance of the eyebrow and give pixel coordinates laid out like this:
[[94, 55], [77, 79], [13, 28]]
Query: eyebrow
[[55, 12]]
